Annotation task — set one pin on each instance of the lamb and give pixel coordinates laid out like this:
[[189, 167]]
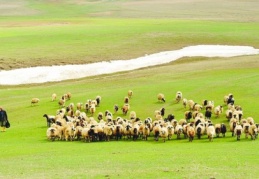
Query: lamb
[[185, 101], [35, 101], [218, 110], [130, 93], [161, 97], [50, 119], [53, 97], [190, 133], [178, 96], [190, 104], [164, 133], [238, 131], [253, 131], [52, 133], [210, 132]]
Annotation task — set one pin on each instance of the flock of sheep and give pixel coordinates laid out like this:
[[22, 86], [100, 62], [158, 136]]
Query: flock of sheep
[[71, 122]]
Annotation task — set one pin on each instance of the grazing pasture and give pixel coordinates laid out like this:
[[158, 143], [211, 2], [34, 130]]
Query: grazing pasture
[[70, 32]]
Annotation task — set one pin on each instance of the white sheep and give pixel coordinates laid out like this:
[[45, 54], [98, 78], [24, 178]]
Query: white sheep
[[146, 132], [218, 110], [52, 133], [35, 101], [232, 125], [170, 129], [125, 109], [178, 131], [190, 103], [85, 134], [156, 131], [238, 131], [253, 131], [178, 96], [53, 97], [130, 93], [161, 97], [79, 106], [185, 101], [108, 131], [246, 127], [250, 120], [133, 116], [210, 132], [92, 109], [190, 133], [200, 130], [164, 133], [69, 132]]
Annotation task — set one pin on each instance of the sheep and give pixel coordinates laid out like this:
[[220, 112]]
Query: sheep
[[178, 96], [182, 122], [100, 116], [169, 118], [161, 97], [208, 113], [108, 131], [210, 132], [35, 101], [253, 131], [220, 128], [197, 107], [238, 115], [146, 132], [218, 110], [229, 114], [156, 131], [98, 100], [130, 93], [164, 133], [116, 108], [190, 103], [53, 97], [250, 120], [238, 131], [69, 132], [78, 132], [231, 99], [125, 109], [185, 101], [79, 106], [232, 125], [190, 133], [68, 95], [225, 99], [188, 115], [246, 127], [133, 116], [92, 109], [127, 132], [200, 130], [170, 129], [52, 133], [126, 99], [162, 111], [178, 131], [85, 134], [50, 119], [61, 102], [135, 132]]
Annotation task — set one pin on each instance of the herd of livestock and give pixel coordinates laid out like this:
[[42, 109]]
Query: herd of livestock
[[72, 122]]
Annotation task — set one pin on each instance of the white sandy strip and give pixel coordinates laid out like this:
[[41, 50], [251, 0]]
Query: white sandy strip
[[59, 73]]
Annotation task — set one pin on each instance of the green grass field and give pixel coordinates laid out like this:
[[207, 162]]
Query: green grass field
[[37, 33]]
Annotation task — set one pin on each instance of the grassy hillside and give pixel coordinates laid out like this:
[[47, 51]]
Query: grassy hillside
[[69, 32]]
